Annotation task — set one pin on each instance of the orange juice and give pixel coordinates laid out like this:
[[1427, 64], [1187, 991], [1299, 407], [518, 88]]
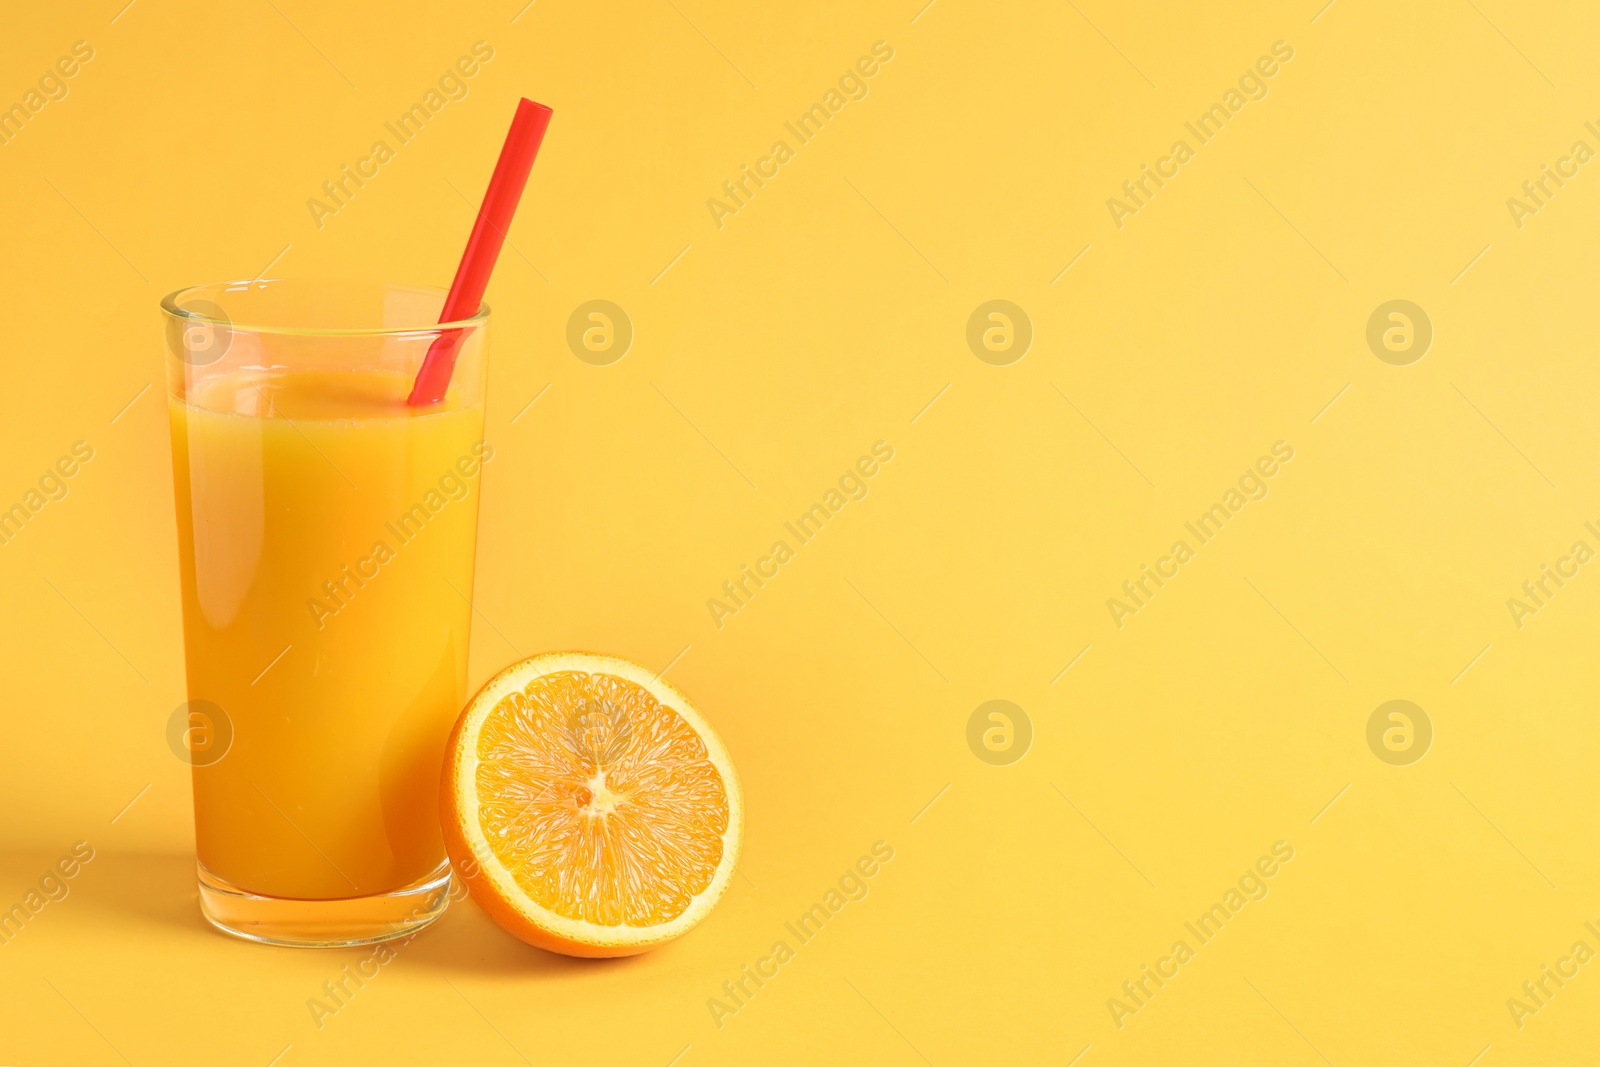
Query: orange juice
[[327, 535]]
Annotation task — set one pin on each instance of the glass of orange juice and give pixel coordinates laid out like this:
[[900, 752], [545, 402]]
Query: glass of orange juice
[[326, 532]]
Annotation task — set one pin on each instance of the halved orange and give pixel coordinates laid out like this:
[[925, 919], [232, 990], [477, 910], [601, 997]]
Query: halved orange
[[588, 806]]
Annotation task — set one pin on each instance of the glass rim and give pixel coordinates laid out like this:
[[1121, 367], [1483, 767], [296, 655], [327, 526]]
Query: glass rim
[[169, 305]]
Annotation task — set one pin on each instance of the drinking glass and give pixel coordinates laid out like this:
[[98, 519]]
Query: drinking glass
[[326, 533]]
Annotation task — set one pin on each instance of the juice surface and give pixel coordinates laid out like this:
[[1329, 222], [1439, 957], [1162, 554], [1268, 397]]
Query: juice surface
[[327, 535]]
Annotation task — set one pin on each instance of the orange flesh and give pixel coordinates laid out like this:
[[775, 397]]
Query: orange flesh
[[601, 802]]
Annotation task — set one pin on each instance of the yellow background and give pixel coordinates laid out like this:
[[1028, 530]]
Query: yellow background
[[767, 357]]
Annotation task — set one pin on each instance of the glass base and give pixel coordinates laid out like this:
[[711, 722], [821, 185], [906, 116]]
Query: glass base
[[324, 923]]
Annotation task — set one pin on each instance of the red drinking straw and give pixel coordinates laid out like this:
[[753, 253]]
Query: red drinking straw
[[483, 247]]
